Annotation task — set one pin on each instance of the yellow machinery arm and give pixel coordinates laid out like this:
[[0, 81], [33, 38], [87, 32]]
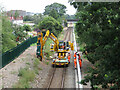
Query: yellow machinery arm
[[46, 37], [52, 36], [56, 45], [41, 42]]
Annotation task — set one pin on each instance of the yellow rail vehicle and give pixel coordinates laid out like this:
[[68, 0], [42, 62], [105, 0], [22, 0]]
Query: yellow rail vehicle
[[60, 60], [61, 48]]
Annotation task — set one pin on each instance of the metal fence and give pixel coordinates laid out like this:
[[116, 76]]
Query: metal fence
[[10, 55]]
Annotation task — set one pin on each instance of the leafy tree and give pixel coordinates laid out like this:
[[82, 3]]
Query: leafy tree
[[37, 18], [0, 31], [19, 32], [28, 18], [54, 14], [16, 14], [99, 28], [56, 8], [26, 27], [67, 16], [8, 38], [49, 23]]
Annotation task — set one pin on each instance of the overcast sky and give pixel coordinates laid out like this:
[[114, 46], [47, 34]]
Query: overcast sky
[[36, 6]]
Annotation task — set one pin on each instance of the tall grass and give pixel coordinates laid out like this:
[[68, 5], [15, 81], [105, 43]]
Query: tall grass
[[36, 63], [47, 48], [26, 76]]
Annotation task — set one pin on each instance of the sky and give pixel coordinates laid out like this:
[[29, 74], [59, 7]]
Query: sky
[[35, 6]]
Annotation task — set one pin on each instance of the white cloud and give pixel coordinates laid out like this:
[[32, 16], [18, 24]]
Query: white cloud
[[36, 6]]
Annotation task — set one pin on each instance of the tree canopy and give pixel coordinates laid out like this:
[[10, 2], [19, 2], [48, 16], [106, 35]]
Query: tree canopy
[[67, 16], [28, 18], [27, 28], [49, 23], [36, 18], [8, 38], [55, 10], [99, 28]]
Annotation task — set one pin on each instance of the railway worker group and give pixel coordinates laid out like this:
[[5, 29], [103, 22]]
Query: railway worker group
[[75, 59]]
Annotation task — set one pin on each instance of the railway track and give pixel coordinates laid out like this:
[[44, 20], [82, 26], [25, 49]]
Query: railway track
[[49, 84], [70, 35], [63, 78], [57, 79], [66, 33]]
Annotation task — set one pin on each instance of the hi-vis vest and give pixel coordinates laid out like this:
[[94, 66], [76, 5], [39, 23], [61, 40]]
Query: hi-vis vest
[[74, 55], [69, 57]]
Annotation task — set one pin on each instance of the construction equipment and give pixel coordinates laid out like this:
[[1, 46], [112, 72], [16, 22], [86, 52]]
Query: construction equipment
[[60, 47], [60, 60], [40, 43], [51, 47]]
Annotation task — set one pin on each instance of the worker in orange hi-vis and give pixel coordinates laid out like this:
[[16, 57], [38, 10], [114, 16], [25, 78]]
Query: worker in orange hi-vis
[[75, 60], [63, 46], [69, 56], [80, 60]]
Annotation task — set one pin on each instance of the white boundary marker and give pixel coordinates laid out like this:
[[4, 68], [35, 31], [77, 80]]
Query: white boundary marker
[[78, 74]]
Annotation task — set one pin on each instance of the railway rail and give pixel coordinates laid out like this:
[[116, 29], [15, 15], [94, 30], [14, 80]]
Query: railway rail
[[57, 78], [63, 78], [49, 84]]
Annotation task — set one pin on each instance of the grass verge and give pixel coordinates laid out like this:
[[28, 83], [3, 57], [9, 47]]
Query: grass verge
[[34, 44], [61, 35], [47, 48], [36, 63], [26, 75]]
